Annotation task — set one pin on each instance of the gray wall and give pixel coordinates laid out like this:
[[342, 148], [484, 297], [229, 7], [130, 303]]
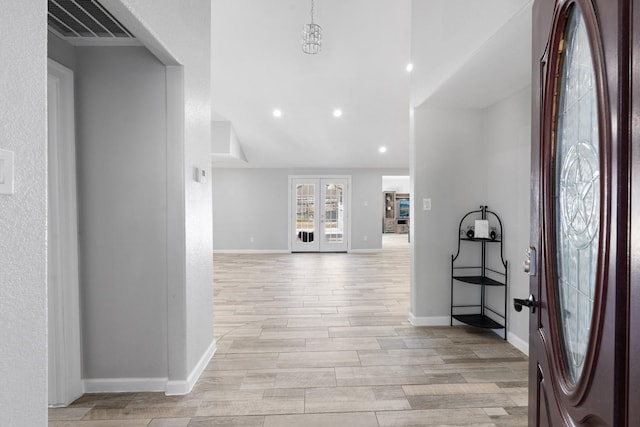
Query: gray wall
[[121, 157], [449, 168], [61, 51], [23, 215], [254, 203], [465, 158], [183, 28], [187, 316], [508, 178], [250, 203]]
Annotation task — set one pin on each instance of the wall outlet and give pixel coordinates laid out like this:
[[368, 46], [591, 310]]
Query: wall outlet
[[251, 240], [365, 238], [426, 204]]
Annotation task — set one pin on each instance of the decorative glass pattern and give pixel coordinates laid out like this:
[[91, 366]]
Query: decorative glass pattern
[[305, 212], [576, 192], [333, 213]]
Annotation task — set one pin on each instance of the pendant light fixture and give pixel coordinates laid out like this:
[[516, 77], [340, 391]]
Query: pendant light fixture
[[311, 36]]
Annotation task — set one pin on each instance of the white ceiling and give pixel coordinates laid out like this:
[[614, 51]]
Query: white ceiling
[[258, 65], [489, 67]]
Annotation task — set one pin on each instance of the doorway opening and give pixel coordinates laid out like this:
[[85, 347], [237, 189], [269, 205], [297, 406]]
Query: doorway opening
[[396, 210]]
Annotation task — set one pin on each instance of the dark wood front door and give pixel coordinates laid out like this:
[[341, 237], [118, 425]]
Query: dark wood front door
[[581, 227]]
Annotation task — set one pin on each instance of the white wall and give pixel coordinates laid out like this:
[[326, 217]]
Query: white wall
[[463, 159], [438, 53], [254, 203], [122, 206], [23, 216], [399, 184]]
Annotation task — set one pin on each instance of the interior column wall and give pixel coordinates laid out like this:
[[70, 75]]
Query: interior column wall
[[179, 33]]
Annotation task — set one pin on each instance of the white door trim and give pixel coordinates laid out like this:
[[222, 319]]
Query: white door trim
[[292, 178], [65, 361]]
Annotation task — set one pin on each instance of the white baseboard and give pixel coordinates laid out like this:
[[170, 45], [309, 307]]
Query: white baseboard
[[170, 388], [518, 343], [514, 340], [251, 251], [281, 251], [429, 320], [122, 385], [182, 387]]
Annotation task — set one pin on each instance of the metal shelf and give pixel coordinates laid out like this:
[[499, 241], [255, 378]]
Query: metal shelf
[[479, 280], [478, 320], [477, 275]]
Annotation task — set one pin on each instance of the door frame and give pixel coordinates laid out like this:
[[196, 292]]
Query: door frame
[[318, 177], [65, 354]]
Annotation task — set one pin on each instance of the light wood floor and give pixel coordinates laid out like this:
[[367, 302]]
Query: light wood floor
[[314, 340]]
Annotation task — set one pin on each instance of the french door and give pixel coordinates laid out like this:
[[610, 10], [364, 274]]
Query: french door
[[582, 371], [319, 214]]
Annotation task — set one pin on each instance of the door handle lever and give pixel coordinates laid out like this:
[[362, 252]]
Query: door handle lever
[[529, 302]]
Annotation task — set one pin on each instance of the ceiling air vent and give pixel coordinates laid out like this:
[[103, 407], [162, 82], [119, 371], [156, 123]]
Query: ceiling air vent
[[85, 20]]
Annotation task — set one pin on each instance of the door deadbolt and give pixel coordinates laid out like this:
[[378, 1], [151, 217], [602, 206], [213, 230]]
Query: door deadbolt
[[529, 264]]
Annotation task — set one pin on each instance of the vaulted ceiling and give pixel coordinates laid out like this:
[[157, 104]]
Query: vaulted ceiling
[[466, 53]]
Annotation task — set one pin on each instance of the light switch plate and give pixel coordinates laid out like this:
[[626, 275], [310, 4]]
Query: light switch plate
[[7, 177], [426, 204]]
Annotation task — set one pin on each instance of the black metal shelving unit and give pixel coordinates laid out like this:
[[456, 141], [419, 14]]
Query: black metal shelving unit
[[480, 315]]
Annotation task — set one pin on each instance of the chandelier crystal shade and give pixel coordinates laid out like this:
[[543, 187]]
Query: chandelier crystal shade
[[311, 36]]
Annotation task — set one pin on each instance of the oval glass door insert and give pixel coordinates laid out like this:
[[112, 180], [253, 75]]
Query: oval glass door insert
[[577, 192]]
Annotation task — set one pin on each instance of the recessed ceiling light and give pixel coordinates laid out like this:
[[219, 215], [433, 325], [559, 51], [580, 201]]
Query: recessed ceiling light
[[277, 113], [409, 67], [382, 149], [337, 112]]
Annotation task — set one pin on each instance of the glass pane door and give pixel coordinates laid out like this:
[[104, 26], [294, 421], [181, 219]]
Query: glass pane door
[[319, 215], [577, 194], [333, 219], [305, 234], [305, 212]]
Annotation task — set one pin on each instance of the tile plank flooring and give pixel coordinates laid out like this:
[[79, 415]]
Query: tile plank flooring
[[322, 340]]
